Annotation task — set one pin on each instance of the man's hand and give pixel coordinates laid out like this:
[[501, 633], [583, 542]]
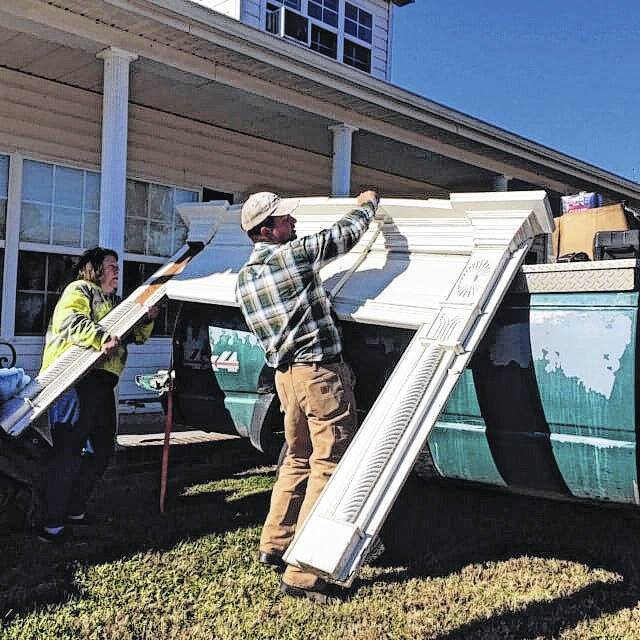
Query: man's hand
[[111, 345], [368, 196]]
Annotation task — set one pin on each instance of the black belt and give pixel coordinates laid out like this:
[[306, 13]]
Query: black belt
[[331, 360]]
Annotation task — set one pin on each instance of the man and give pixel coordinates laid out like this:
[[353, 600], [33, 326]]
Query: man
[[288, 310]]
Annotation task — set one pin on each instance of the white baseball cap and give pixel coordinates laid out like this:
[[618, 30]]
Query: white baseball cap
[[262, 205]]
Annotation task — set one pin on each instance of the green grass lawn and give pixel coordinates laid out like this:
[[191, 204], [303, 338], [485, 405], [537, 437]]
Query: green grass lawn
[[461, 563]]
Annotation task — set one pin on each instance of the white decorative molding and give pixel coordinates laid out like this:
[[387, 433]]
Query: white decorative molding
[[113, 180]]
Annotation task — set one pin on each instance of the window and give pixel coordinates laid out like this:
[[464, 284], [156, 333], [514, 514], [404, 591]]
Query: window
[[358, 23], [324, 10], [60, 205], [4, 194], [153, 226], [324, 41], [135, 273], [272, 24], [357, 56], [41, 279], [155, 231]]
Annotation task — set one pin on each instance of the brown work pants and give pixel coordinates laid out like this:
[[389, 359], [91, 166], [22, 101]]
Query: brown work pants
[[319, 423]]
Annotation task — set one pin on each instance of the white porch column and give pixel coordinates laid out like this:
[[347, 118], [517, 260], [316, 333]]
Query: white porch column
[[113, 180], [341, 175], [501, 183]]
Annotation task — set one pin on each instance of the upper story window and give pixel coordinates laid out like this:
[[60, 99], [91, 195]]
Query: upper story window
[[60, 205], [319, 25], [324, 10]]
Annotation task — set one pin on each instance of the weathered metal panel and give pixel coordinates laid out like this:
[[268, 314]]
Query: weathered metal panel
[[554, 384], [584, 355], [458, 444]]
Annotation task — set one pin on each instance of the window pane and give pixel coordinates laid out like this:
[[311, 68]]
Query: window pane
[[131, 277], [66, 226], [60, 272], [37, 181], [364, 34], [135, 273], [357, 56], [51, 301], [315, 11], [31, 270], [351, 28], [366, 19], [135, 236], [350, 11], [180, 237], [331, 18], [295, 26], [69, 184], [92, 191], [331, 4], [91, 229], [161, 205], [159, 239], [136, 198], [324, 41], [30, 313], [4, 176], [34, 222]]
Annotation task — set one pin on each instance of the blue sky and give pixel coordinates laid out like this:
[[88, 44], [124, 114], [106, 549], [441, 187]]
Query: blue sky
[[563, 73]]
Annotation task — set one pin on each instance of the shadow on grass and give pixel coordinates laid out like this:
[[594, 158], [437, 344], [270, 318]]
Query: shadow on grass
[[127, 520], [435, 530]]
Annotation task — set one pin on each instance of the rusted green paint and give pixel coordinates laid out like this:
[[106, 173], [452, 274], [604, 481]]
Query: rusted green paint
[[458, 443]]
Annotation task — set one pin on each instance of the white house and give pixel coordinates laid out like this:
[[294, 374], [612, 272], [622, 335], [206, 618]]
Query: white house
[[113, 111]]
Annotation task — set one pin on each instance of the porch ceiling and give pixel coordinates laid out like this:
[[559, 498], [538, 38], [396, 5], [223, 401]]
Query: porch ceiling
[[202, 65]]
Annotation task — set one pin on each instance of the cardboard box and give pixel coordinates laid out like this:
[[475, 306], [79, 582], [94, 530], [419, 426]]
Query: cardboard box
[[576, 230]]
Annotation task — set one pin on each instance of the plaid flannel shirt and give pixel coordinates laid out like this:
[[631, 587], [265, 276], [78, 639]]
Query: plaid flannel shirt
[[282, 298]]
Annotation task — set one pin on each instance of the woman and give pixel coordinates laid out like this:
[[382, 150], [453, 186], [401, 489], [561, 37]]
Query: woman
[[83, 421]]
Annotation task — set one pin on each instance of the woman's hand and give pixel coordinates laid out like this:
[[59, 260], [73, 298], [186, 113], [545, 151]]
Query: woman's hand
[[111, 345], [152, 312]]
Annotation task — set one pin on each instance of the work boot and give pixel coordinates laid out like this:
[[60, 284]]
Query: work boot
[[322, 593], [272, 560]]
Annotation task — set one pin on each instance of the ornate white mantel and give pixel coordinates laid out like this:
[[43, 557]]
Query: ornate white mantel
[[439, 266]]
